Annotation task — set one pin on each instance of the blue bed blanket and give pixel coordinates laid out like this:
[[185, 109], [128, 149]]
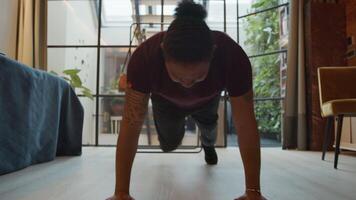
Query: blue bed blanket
[[40, 117]]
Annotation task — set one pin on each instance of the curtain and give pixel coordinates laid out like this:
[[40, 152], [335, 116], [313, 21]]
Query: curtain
[[31, 48], [294, 119]]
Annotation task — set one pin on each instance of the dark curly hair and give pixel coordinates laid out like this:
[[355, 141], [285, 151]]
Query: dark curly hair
[[188, 38]]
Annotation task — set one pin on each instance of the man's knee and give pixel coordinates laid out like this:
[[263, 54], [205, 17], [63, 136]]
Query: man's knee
[[169, 140], [168, 148]]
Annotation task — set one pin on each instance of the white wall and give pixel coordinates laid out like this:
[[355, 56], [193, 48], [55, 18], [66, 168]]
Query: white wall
[[8, 27]]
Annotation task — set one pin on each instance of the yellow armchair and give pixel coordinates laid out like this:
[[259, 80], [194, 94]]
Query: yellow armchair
[[337, 92]]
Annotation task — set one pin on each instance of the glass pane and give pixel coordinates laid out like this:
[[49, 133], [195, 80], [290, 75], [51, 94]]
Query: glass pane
[[89, 121], [84, 59], [215, 9], [267, 84], [144, 31], [117, 17], [215, 19], [231, 10], [171, 5], [268, 115], [266, 76], [151, 11], [245, 7], [111, 110], [231, 19], [260, 33], [72, 22], [111, 64], [115, 35], [250, 6], [169, 10], [231, 30]]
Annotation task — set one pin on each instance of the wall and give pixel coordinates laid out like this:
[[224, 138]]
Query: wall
[[8, 27], [322, 17], [348, 136], [323, 48], [351, 26]]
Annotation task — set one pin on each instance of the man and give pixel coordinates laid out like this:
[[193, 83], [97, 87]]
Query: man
[[184, 70]]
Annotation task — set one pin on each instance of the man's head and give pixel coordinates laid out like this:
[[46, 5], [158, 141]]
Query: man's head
[[188, 45]]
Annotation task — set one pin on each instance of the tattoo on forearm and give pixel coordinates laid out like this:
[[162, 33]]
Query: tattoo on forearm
[[135, 107]]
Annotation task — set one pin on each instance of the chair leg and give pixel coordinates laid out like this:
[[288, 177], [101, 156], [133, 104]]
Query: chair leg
[[327, 135], [338, 138]]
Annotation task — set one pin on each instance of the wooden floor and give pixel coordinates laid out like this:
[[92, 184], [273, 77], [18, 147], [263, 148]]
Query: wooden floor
[[286, 175]]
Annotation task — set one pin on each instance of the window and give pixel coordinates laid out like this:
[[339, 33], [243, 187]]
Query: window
[[94, 36], [262, 32]]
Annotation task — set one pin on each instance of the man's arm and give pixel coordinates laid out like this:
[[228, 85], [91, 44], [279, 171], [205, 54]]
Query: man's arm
[[135, 110], [248, 137]]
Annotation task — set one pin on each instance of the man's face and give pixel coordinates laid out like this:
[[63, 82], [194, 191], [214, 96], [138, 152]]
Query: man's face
[[187, 74]]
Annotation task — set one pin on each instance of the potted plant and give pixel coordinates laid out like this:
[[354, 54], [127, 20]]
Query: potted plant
[[71, 75]]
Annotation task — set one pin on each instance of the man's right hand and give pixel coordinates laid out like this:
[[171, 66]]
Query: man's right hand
[[121, 196], [135, 109]]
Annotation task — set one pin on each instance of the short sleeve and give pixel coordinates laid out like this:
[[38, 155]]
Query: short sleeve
[[239, 70], [138, 77]]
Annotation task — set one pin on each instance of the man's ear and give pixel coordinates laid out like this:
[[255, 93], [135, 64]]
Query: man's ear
[[161, 45]]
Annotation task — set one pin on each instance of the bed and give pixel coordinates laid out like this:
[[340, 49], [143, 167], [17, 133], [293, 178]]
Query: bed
[[40, 117]]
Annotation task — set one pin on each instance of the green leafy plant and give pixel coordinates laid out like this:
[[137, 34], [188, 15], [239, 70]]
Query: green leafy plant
[[71, 75], [262, 35]]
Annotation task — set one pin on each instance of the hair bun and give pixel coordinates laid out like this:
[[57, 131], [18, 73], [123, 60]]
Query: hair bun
[[189, 9]]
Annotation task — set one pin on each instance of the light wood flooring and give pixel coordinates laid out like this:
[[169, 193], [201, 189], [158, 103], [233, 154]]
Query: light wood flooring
[[286, 175]]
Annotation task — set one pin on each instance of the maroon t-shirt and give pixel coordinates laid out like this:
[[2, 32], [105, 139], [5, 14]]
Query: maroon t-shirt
[[230, 69]]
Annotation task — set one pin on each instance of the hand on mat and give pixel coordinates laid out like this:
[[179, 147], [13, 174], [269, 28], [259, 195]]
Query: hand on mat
[[251, 196], [121, 196]]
